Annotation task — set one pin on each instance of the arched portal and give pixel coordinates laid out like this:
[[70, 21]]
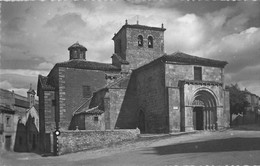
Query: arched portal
[[204, 111], [141, 121]]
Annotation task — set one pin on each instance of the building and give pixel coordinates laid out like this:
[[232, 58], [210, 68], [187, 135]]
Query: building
[[17, 130], [252, 112], [143, 87]]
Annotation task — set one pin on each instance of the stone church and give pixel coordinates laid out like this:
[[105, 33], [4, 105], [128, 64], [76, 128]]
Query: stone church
[[143, 87]]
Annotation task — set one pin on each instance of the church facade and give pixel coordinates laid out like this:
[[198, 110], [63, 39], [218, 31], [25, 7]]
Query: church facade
[[143, 87]]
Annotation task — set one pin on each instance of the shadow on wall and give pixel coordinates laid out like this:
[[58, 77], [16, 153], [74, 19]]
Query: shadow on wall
[[128, 115], [20, 139], [26, 139], [221, 145]]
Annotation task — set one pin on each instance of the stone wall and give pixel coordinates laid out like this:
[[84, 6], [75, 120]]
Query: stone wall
[[226, 109], [152, 98], [174, 73], [71, 90], [126, 45], [6, 98], [138, 56], [49, 111], [72, 141], [116, 97], [128, 115], [211, 74], [174, 109], [91, 124]]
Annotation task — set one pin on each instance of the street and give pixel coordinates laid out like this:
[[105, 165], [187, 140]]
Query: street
[[230, 147]]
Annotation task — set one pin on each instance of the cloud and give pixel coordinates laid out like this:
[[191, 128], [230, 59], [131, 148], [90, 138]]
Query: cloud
[[5, 85], [15, 24], [29, 73], [239, 49], [66, 24], [45, 66], [218, 30]]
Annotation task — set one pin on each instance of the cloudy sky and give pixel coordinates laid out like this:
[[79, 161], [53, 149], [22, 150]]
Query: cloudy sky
[[36, 35]]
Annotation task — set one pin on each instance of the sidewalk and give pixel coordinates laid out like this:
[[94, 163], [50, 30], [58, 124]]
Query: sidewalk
[[255, 127]]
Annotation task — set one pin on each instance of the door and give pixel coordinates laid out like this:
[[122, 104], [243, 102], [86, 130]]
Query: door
[[8, 143], [198, 118], [34, 142], [141, 122]]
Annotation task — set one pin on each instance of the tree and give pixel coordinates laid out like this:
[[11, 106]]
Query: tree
[[238, 102]]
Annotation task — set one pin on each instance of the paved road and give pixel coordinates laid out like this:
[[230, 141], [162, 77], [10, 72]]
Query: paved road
[[232, 147]]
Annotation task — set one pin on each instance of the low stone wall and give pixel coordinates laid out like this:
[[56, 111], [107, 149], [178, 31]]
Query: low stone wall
[[73, 141]]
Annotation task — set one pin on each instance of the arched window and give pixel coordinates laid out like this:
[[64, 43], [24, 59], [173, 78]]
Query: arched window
[[150, 42], [140, 40]]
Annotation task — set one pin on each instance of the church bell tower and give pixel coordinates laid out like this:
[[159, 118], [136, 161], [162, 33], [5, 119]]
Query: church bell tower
[[137, 45]]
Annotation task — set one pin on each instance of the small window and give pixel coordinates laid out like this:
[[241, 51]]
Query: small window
[[140, 41], [197, 73], [8, 123], [150, 42], [96, 119], [86, 92], [53, 102]]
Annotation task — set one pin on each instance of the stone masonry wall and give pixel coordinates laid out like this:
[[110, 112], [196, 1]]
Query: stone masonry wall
[[90, 124], [128, 115], [174, 109], [189, 92], [49, 111], [63, 120], [151, 98], [226, 109], [174, 73], [71, 82], [116, 97], [72, 141], [138, 56]]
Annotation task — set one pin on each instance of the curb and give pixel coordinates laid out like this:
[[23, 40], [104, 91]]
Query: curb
[[165, 135]]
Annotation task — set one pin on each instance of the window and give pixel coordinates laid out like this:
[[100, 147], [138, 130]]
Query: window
[[8, 123], [95, 118], [150, 42], [86, 92], [140, 40], [53, 102], [197, 73]]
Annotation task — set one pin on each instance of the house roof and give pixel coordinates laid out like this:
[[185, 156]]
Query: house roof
[[83, 106], [120, 82], [31, 90], [189, 59], [43, 81], [21, 103], [91, 111], [6, 109], [83, 64]]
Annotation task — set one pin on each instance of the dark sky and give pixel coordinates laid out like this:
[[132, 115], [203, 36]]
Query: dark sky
[[36, 35]]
